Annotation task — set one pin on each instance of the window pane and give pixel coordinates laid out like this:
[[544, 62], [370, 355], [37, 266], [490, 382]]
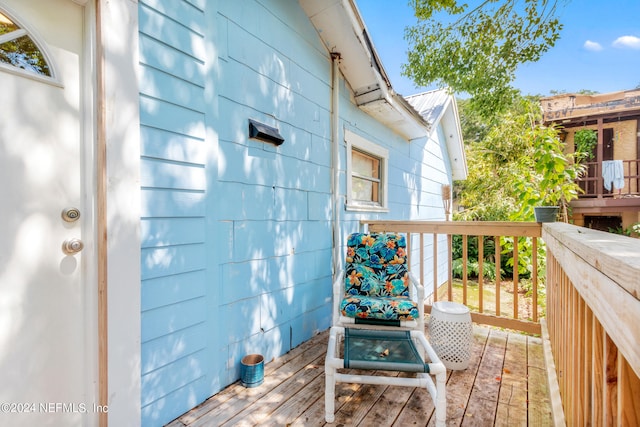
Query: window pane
[[6, 26], [364, 190], [365, 165], [21, 52]]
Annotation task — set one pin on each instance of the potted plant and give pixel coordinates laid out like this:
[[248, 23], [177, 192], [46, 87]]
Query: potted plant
[[549, 183]]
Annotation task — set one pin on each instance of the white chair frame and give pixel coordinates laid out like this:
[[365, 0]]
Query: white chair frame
[[437, 390]]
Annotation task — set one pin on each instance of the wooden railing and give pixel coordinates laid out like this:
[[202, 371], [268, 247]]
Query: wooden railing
[[426, 235], [593, 322], [592, 183]]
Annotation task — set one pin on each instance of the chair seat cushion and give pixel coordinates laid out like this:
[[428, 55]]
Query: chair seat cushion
[[381, 308]]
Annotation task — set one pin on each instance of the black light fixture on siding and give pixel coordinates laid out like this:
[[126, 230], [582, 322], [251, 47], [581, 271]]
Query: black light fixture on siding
[[264, 133]]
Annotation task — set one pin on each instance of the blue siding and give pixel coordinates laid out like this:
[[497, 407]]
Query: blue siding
[[236, 233], [174, 191]]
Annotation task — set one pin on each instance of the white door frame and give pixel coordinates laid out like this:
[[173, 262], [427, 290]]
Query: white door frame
[[118, 209]]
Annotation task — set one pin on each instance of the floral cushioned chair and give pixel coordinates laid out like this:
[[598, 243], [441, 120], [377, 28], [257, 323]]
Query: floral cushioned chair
[[376, 288], [378, 323]]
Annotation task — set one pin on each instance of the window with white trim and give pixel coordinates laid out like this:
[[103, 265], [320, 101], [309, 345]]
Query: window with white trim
[[18, 50], [366, 174]]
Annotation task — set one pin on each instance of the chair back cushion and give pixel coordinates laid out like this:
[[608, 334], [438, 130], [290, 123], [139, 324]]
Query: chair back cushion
[[376, 265]]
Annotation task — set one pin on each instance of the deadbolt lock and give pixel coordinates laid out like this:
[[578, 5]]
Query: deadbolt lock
[[71, 214], [72, 246]]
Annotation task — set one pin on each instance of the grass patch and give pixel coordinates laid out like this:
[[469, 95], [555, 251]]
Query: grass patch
[[525, 299]]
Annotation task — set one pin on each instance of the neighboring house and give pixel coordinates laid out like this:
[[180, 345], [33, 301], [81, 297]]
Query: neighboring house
[[614, 202], [218, 153]]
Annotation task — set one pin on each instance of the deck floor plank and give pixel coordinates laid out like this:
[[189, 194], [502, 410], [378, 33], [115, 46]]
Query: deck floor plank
[[362, 401], [244, 397], [387, 408], [258, 412], [505, 379], [483, 401], [539, 401], [460, 385], [512, 401]]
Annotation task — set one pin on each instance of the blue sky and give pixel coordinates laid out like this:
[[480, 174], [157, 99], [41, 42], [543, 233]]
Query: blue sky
[[599, 47]]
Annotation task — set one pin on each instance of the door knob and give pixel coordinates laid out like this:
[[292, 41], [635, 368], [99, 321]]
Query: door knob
[[72, 246], [70, 214]]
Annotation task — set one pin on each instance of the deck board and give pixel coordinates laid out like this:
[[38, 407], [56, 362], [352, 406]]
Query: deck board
[[505, 384], [539, 402]]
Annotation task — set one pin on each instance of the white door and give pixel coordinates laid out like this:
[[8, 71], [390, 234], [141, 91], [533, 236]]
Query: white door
[[47, 296]]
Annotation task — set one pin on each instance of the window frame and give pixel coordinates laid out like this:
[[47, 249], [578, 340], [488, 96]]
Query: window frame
[[358, 143], [27, 31]]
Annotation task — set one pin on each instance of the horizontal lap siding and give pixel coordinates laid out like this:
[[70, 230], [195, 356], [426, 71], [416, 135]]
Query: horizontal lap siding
[[276, 281], [174, 190], [236, 233]]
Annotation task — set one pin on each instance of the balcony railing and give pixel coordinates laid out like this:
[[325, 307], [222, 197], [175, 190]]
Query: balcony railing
[[592, 182], [593, 318], [429, 236], [592, 307]]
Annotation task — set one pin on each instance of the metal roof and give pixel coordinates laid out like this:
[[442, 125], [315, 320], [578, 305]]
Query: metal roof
[[439, 107], [431, 105]]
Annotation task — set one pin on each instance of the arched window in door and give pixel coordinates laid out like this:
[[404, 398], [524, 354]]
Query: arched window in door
[[19, 50]]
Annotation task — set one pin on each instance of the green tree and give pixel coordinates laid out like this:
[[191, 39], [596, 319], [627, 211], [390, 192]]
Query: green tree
[[479, 51], [515, 163], [495, 148]]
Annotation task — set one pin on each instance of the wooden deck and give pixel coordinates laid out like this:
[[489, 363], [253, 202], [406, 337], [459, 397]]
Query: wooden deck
[[505, 385]]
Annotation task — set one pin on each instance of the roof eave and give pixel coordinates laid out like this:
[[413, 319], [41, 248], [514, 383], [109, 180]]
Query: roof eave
[[342, 30]]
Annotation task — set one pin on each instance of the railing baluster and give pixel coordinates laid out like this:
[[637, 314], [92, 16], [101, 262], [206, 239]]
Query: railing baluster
[[465, 259], [515, 277], [588, 363], [534, 274], [435, 267], [421, 257], [597, 374], [480, 273], [497, 252], [611, 381], [409, 250], [450, 263]]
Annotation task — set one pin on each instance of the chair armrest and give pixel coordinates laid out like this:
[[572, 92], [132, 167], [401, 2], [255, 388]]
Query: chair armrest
[[338, 293], [419, 298]]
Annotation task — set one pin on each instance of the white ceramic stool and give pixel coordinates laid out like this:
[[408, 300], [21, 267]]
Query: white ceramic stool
[[451, 333]]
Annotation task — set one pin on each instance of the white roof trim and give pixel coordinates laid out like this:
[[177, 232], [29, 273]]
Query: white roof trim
[[342, 30]]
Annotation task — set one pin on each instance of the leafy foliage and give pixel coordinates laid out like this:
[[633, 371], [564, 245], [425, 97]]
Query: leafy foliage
[[514, 164], [585, 141], [496, 148], [479, 52], [548, 174]]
